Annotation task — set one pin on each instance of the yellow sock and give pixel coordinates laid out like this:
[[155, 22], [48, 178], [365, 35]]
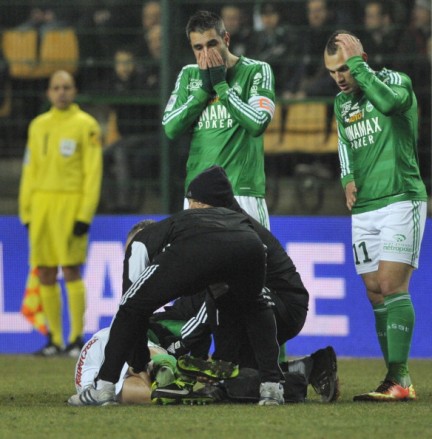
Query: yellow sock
[[52, 307], [76, 298]]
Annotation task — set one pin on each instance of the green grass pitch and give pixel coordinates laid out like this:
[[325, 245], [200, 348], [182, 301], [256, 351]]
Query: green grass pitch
[[33, 394]]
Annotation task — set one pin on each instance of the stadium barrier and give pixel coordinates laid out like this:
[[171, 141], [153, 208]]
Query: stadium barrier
[[320, 247]]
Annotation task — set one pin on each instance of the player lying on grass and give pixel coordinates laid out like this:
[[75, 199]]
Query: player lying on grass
[[319, 369], [169, 382], [182, 255], [131, 388]]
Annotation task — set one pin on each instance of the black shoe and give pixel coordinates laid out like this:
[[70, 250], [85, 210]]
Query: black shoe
[[49, 350], [323, 377], [215, 391], [74, 349]]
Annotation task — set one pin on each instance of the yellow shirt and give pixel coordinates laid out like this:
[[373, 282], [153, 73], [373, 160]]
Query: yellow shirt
[[63, 154]]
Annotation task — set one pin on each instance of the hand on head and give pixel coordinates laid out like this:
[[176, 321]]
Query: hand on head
[[349, 45]]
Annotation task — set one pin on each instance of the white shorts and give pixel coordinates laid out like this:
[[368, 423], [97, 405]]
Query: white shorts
[[254, 206], [392, 233], [91, 358]]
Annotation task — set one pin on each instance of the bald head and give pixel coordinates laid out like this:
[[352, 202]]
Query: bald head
[[61, 90]]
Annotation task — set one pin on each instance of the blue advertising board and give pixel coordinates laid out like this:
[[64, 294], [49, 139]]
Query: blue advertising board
[[339, 313]]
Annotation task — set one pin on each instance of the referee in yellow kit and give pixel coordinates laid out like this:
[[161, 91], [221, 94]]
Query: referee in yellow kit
[[58, 197]]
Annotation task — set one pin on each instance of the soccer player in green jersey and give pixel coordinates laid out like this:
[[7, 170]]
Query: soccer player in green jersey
[[226, 102], [376, 114]]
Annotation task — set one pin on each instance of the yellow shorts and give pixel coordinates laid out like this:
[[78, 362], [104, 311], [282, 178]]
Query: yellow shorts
[[52, 242]]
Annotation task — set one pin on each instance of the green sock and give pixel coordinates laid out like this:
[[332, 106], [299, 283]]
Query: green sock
[[164, 367], [164, 360], [282, 354], [400, 326], [380, 313]]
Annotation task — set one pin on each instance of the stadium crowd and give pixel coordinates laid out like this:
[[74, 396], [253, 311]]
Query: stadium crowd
[[291, 40]]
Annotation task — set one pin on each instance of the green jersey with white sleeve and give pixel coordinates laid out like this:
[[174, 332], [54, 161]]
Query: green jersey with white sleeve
[[227, 126], [378, 131]]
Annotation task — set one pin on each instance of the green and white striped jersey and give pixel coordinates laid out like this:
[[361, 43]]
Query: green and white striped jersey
[[378, 131], [227, 127]]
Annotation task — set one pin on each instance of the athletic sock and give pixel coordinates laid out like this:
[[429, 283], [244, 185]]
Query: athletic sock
[[282, 354], [400, 326], [51, 305], [380, 313], [76, 300], [164, 370], [100, 384], [164, 360]]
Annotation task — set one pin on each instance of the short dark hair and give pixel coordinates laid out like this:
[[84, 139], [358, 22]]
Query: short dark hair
[[202, 21], [138, 227], [331, 47]]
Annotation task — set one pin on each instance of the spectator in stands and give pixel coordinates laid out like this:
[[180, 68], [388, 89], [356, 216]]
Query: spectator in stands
[[104, 25], [42, 18], [310, 77], [130, 155], [379, 34], [413, 47], [151, 63], [276, 43], [412, 59], [150, 16], [239, 29], [41, 59]]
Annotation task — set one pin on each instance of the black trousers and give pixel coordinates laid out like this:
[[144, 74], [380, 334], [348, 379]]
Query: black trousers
[[230, 334], [186, 267]]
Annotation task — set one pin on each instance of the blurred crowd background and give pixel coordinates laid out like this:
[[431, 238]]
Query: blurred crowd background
[[125, 55]]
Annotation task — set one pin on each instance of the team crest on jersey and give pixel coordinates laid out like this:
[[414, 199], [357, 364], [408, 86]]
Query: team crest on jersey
[[194, 84], [67, 147], [369, 107]]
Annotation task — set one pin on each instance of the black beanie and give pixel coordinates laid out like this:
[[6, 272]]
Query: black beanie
[[213, 187]]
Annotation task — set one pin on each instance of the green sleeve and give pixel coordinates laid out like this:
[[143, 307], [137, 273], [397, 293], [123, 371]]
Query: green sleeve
[[388, 98], [183, 107], [344, 151], [253, 115]]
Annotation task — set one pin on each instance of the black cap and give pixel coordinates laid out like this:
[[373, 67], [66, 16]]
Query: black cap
[[212, 187]]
